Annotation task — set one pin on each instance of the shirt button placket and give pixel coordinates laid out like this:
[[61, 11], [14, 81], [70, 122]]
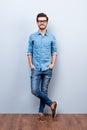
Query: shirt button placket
[[41, 52]]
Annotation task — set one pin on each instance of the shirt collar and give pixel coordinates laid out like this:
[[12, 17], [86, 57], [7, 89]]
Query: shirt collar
[[39, 33]]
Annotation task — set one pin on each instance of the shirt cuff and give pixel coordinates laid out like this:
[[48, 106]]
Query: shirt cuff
[[28, 53], [55, 53]]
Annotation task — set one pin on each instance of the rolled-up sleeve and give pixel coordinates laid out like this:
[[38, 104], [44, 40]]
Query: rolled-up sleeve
[[30, 46], [53, 47]]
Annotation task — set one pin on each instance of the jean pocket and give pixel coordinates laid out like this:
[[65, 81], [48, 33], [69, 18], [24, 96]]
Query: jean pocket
[[33, 69], [50, 69]]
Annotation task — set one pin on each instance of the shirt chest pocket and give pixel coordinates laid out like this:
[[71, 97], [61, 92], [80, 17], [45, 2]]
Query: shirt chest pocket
[[47, 46], [36, 45]]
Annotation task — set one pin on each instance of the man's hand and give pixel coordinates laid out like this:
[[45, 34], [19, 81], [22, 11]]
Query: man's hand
[[51, 66], [32, 66]]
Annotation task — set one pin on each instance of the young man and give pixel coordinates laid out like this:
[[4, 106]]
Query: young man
[[42, 53]]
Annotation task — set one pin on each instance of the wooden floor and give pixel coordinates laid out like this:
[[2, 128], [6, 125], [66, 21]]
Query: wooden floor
[[31, 122]]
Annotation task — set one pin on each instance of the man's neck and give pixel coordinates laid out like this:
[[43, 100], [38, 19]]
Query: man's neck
[[43, 32]]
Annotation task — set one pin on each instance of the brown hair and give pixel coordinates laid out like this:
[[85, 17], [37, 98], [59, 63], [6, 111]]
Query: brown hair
[[41, 15]]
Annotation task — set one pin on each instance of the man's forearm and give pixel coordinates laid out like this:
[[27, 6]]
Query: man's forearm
[[30, 59], [54, 59], [51, 66], [30, 62]]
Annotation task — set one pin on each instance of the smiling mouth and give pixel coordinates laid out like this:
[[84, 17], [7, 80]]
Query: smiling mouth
[[42, 25]]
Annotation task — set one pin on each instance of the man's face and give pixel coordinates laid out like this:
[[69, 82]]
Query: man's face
[[42, 23]]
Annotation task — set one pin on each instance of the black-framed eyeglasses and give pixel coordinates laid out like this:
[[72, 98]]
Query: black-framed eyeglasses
[[42, 21]]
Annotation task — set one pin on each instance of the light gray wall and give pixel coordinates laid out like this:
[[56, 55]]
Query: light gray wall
[[68, 22]]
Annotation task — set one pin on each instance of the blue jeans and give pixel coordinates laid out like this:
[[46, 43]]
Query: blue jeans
[[39, 86]]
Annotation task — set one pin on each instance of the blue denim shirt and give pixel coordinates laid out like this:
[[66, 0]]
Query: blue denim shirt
[[42, 48]]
